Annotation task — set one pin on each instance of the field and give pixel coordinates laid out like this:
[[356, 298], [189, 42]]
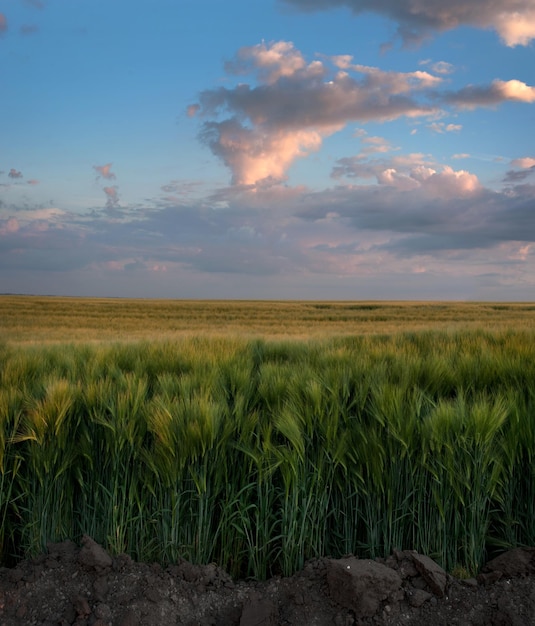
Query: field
[[26, 319], [258, 434]]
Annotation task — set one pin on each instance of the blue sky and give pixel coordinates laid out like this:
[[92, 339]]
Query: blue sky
[[325, 149]]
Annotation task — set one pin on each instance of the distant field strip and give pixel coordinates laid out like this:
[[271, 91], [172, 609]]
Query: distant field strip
[[28, 318], [164, 432]]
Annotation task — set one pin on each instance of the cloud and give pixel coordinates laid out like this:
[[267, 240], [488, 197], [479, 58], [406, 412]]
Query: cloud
[[442, 67], [112, 197], [9, 226], [524, 162], [497, 92], [3, 24], [374, 145], [441, 127], [412, 218], [513, 20], [37, 4], [294, 105], [272, 62], [517, 28], [104, 171], [13, 173], [515, 176], [32, 181], [397, 82], [527, 165], [446, 212], [254, 155], [289, 106], [192, 110], [412, 172]]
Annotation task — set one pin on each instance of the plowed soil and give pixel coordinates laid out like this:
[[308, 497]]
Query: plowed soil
[[84, 585]]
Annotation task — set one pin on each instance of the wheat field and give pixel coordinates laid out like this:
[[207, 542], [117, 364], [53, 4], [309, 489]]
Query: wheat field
[[24, 319], [259, 434]]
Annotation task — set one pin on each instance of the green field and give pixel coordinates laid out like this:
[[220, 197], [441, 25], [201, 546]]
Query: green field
[[258, 434]]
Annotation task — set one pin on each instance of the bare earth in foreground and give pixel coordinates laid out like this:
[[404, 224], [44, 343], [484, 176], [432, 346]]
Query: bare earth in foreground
[[86, 586]]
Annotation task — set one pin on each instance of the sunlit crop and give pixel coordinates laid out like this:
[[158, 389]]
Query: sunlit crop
[[258, 453]]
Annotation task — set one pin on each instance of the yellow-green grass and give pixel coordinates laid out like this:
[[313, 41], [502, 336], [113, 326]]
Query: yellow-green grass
[[25, 319], [336, 429]]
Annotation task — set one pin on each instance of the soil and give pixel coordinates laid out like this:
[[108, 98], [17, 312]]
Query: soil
[[85, 586]]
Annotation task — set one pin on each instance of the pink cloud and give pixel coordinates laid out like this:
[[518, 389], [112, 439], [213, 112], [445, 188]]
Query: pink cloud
[[527, 168], [258, 129], [296, 105], [399, 180], [315, 97], [513, 20], [410, 172], [192, 110], [517, 28], [450, 183], [9, 226], [524, 162], [514, 90], [3, 24], [491, 95], [32, 181], [13, 173], [117, 266], [253, 155], [523, 252], [104, 171], [376, 144], [395, 82], [112, 196], [272, 61]]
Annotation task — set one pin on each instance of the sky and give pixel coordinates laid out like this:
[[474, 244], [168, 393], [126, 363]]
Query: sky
[[275, 149]]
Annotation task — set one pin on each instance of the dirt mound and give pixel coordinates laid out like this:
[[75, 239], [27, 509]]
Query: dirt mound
[[87, 587]]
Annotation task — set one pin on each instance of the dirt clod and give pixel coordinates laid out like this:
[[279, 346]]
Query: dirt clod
[[72, 585], [361, 585]]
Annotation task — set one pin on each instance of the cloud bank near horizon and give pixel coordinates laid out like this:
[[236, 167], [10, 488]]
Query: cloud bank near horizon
[[414, 217]]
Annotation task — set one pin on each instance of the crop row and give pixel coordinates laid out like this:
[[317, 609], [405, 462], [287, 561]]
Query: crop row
[[257, 455]]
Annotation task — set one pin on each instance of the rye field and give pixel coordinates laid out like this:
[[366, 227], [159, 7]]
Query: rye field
[[259, 434]]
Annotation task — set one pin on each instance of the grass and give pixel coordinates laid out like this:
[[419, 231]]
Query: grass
[[259, 450], [27, 319]]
